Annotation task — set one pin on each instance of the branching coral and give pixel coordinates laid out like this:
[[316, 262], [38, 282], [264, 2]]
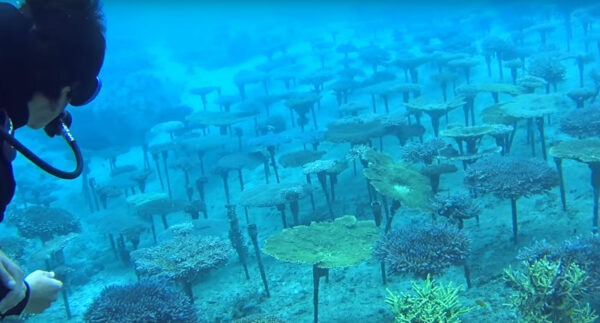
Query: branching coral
[[511, 178], [422, 152], [582, 123], [548, 67], [43, 222], [429, 302], [422, 250], [584, 251], [149, 301], [548, 292], [185, 258], [457, 207]]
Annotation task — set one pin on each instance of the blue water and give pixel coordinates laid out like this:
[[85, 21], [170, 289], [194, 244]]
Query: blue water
[[150, 122]]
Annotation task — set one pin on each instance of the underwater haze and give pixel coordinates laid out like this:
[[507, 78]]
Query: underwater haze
[[334, 162]]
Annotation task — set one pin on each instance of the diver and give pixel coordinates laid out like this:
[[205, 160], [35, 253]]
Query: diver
[[51, 52]]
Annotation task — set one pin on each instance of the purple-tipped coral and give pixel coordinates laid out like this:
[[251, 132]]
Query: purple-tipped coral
[[146, 301], [184, 259], [422, 250], [583, 251], [43, 222], [511, 178], [422, 152], [582, 123], [456, 207]]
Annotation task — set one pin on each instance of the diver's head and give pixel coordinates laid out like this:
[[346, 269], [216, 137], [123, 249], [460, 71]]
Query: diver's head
[[66, 52]]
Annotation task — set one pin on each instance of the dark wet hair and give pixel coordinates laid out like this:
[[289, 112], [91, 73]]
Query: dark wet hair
[[67, 45]]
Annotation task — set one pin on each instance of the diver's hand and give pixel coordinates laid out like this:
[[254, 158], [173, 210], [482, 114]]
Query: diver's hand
[[11, 276], [44, 290]]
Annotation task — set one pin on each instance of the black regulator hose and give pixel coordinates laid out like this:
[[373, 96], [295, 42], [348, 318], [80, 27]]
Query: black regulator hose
[[66, 133]]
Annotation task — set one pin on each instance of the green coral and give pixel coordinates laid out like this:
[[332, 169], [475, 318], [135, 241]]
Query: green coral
[[341, 243], [550, 291], [429, 303], [398, 180]]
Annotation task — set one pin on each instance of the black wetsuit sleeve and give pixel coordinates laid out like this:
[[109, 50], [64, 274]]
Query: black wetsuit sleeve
[[11, 27], [7, 190]]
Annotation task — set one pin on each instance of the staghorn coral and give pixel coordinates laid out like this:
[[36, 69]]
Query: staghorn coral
[[422, 152], [584, 251], [185, 258], [547, 291], [429, 302], [147, 301], [456, 206], [582, 123], [511, 178], [44, 223], [549, 68], [422, 249]]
